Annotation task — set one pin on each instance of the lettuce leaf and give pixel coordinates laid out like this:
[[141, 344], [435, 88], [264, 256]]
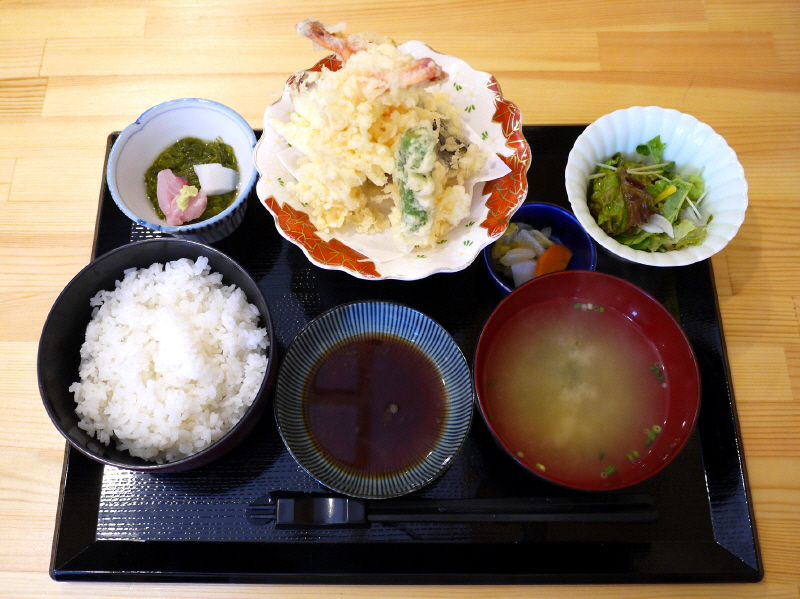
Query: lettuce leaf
[[608, 206], [636, 240], [652, 243], [687, 233], [620, 202], [673, 203], [697, 186]]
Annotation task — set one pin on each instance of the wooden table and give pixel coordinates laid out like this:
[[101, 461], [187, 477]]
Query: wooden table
[[71, 73]]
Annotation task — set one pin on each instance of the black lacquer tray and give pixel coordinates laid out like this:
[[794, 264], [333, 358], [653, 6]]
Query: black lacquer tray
[[128, 526]]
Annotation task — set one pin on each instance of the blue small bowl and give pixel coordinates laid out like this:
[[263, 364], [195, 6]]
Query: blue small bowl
[[374, 399], [565, 230], [139, 145]]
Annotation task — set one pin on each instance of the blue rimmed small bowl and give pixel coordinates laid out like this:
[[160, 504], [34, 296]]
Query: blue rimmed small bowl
[[140, 143], [374, 399], [565, 230]]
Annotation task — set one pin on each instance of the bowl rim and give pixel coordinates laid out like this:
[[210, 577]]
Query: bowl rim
[[658, 306], [577, 195], [401, 486], [140, 123], [203, 456], [487, 250]]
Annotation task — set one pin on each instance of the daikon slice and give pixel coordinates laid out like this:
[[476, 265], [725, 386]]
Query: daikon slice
[[522, 272], [511, 257]]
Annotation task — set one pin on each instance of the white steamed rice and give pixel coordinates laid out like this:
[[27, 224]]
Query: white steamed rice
[[172, 360]]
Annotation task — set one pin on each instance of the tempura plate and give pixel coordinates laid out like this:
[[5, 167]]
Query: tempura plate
[[494, 118]]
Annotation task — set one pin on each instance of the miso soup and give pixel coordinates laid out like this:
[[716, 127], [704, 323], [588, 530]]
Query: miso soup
[[578, 394]]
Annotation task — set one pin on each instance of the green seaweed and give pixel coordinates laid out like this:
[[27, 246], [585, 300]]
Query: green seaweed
[[180, 158]]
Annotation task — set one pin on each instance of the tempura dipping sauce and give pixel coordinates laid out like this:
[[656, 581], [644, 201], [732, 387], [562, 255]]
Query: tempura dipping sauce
[[375, 404]]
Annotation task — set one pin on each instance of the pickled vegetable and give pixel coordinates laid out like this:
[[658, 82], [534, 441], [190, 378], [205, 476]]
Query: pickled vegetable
[[523, 253]]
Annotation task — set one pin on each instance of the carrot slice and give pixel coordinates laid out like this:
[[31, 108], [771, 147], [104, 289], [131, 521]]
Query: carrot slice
[[554, 259]]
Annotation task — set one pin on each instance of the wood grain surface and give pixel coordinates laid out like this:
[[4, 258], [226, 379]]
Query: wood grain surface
[[72, 72]]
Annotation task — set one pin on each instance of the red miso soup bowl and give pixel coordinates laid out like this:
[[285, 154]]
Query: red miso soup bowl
[[587, 381]]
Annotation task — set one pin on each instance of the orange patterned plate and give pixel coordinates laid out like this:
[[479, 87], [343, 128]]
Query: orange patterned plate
[[494, 118]]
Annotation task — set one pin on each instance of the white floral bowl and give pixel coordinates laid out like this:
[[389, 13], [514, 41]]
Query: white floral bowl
[[693, 146], [140, 143], [495, 119]]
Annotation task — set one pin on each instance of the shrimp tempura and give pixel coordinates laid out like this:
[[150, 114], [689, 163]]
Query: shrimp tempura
[[421, 70]]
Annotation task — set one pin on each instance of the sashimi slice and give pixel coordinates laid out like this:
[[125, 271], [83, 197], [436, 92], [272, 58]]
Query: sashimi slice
[[197, 205], [168, 188]]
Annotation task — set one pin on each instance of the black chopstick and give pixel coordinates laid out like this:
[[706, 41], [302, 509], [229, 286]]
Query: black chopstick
[[305, 510]]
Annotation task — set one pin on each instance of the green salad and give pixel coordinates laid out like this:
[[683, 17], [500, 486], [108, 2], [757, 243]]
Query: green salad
[[648, 206]]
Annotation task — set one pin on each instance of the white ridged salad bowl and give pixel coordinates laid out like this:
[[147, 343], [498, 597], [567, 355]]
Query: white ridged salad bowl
[[694, 147]]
